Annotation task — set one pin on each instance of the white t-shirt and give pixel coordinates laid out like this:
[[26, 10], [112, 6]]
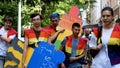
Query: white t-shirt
[[4, 44], [101, 60]]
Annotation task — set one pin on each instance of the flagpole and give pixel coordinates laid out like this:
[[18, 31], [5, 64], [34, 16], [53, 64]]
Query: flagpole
[[19, 19]]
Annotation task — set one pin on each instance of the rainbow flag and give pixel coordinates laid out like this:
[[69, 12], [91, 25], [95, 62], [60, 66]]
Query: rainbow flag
[[14, 54]]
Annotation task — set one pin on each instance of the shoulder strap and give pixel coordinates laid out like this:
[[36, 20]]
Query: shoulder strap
[[99, 33], [0, 27]]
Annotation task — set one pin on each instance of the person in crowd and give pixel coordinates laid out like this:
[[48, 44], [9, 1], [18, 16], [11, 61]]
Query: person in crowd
[[108, 43], [118, 21], [54, 19], [7, 34], [87, 32], [88, 58], [34, 34], [73, 46]]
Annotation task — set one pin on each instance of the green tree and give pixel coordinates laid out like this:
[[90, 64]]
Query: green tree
[[10, 9], [44, 7]]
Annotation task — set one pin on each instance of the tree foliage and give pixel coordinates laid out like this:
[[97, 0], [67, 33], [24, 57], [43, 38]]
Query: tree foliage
[[44, 7], [10, 9]]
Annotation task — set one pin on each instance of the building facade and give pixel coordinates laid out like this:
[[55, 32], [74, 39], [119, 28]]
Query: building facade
[[99, 5], [95, 12]]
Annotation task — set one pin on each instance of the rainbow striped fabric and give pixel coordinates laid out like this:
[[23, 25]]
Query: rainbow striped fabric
[[114, 46], [14, 54]]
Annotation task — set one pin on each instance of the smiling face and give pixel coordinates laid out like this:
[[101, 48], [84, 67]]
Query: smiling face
[[107, 17], [76, 31]]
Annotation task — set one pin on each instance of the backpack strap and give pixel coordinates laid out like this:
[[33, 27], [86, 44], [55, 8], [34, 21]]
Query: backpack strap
[[95, 52], [0, 27], [99, 33]]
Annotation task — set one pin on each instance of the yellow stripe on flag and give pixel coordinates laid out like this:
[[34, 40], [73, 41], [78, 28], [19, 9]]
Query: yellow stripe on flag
[[28, 55]]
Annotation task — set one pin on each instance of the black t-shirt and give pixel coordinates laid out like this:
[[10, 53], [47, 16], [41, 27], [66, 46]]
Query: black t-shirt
[[37, 33]]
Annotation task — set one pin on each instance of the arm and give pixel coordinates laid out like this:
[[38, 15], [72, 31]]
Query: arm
[[63, 65], [25, 49], [80, 56], [92, 43], [50, 39], [61, 48], [77, 58], [97, 47], [63, 44], [9, 39]]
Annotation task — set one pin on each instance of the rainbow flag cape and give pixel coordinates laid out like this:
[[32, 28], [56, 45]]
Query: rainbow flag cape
[[14, 54]]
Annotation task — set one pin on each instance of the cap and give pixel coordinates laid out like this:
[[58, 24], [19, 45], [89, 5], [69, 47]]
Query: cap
[[55, 15]]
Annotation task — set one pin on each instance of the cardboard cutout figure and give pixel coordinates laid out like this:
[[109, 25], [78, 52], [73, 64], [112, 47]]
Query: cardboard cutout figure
[[66, 23]]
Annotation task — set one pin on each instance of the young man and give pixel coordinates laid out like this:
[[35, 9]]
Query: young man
[[54, 19], [109, 44], [34, 34], [73, 46], [7, 33], [87, 35]]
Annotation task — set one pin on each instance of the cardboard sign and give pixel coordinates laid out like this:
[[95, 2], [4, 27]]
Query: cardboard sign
[[45, 56], [66, 23]]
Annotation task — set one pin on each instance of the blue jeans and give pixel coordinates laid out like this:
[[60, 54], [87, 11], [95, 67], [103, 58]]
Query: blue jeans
[[2, 59], [75, 65]]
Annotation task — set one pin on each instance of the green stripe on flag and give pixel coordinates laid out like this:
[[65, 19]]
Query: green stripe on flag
[[57, 44]]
